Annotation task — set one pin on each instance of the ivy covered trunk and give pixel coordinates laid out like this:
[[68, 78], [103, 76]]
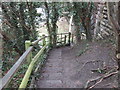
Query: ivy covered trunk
[[54, 21], [1, 53], [47, 22], [52, 28], [54, 35], [1, 49], [25, 31], [76, 20], [77, 33]]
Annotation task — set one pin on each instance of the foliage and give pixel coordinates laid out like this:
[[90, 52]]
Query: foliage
[[52, 10], [82, 17], [19, 24], [21, 19]]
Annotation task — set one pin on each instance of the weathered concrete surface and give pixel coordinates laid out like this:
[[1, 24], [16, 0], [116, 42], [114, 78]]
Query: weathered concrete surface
[[63, 68]]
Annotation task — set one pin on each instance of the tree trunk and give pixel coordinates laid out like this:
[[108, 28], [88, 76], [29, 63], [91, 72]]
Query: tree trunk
[[77, 33], [116, 28], [1, 53], [76, 20], [118, 47], [54, 21], [1, 48], [118, 38], [88, 35], [22, 19], [118, 56], [47, 22], [31, 10], [88, 31]]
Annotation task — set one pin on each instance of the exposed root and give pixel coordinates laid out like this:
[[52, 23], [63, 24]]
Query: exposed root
[[87, 63], [100, 79]]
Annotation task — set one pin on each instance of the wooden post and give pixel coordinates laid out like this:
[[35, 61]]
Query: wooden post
[[44, 41], [48, 42], [27, 45], [69, 38], [61, 38], [30, 68], [39, 43], [65, 40], [72, 38]]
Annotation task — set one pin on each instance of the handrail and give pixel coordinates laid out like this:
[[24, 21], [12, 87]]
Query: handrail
[[29, 70], [6, 79], [35, 42]]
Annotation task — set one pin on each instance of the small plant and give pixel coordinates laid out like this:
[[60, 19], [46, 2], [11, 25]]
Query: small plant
[[15, 82], [98, 70]]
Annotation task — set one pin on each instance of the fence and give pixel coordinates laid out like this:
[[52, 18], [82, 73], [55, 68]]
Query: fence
[[62, 40]]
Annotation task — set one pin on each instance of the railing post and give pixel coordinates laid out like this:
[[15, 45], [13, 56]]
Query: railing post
[[44, 41], [69, 38], [72, 38], [61, 38], [39, 43], [27, 45], [65, 40]]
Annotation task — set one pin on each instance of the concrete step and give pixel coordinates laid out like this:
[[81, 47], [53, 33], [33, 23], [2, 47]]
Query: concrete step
[[50, 84], [51, 76]]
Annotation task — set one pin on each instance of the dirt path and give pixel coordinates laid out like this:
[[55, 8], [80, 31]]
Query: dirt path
[[64, 69]]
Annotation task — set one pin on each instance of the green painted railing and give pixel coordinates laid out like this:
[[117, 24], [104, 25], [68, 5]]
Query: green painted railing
[[62, 40], [29, 70]]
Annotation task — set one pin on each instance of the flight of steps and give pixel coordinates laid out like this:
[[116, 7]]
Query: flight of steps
[[52, 76], [102, 26]]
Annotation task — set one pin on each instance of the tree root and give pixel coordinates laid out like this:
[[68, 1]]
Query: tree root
[[100, 79], [87, 63]]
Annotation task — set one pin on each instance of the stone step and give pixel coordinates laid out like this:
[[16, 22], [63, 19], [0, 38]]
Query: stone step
[[55, 64], [58, 59], [50, 84], [52, 69], [52, 72], [51, 76]]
